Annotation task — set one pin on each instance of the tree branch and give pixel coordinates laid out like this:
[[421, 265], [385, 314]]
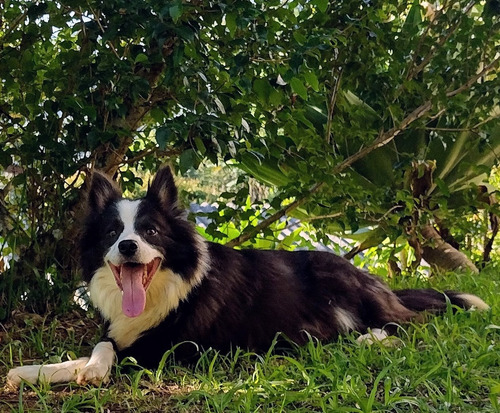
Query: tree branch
[[333, 100], [450, 129], [155, 150], [385, 137]]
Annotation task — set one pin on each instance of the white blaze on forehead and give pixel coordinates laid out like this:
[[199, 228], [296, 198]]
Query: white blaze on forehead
[[127, 211]]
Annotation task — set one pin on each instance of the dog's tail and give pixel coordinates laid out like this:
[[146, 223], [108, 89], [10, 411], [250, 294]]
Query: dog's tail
[[435, 301]]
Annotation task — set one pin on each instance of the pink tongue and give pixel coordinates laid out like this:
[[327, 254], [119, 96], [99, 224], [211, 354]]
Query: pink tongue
[[134, 294]]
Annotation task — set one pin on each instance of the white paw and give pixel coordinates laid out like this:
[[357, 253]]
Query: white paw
[[94, 374], [374, 335], [26, 373]]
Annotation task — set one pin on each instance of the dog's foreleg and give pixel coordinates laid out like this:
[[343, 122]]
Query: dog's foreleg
[[99, 366], [64, 372], [84, 370]]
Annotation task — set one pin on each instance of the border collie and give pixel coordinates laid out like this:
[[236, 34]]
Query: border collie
[[157, 283]]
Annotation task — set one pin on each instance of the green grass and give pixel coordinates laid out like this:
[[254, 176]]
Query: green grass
[[449, 364]]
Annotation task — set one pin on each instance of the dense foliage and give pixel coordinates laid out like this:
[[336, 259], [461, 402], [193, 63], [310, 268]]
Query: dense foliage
[[342, 107]]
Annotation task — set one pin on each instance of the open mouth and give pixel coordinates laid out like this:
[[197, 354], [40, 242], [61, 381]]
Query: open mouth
[[134, 279]]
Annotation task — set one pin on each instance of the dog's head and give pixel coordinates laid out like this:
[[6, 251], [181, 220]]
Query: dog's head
[[136, 238]]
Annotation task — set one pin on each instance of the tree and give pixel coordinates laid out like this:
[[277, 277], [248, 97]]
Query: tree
[[311, 92]]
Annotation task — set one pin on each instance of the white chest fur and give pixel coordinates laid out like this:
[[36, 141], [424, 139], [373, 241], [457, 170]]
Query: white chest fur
[[163, 295]]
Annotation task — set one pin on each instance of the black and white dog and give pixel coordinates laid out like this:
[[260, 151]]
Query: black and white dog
[[158, 283]]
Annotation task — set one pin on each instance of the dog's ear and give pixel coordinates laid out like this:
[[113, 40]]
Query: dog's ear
[[102, 191], [163, 189]]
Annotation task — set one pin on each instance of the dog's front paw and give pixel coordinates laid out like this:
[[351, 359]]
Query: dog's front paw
[[376, 335], [373, 336], [26, 373], [94, 374]]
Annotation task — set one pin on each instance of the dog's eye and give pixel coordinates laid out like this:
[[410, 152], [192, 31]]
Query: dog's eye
[[151, 232], [112, 233]]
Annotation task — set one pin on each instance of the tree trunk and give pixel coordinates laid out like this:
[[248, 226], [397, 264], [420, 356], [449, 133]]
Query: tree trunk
[[488, 244], [439, 253]]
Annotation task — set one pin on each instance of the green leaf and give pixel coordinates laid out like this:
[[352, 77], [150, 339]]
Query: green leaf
[[200, 145], [298, 87], [187, 161], [265, 170], [140, 58], [312, 80], [175, 12], [322, 5], [162, 136], [231, 23], [220, 105], [276, 97], [299, 37], [262, 88], [93, 139], [413, 19], [442, 187], [157, 115], [90, 112], [356, 101]]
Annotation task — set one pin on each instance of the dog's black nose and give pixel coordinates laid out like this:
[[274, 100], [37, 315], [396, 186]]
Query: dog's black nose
[[128, 247]]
